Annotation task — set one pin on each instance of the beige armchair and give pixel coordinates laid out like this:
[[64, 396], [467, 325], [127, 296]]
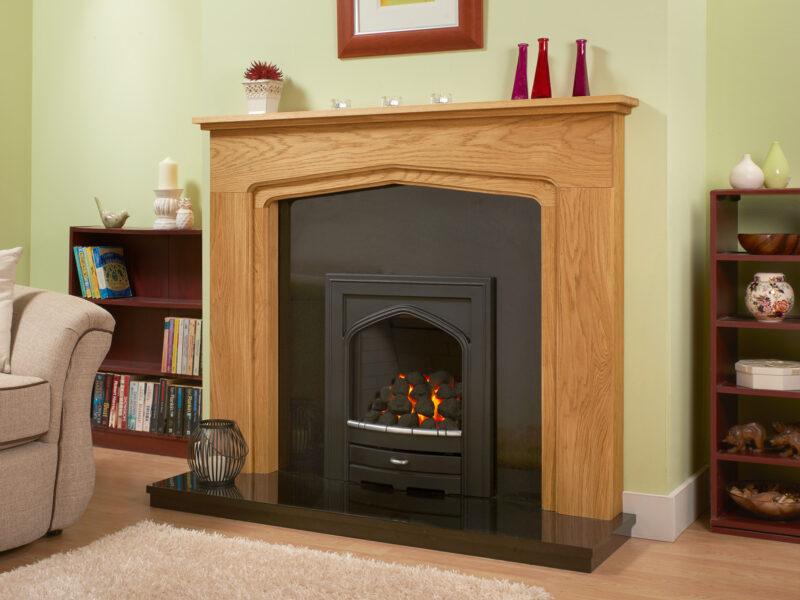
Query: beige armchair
[[46, 461]]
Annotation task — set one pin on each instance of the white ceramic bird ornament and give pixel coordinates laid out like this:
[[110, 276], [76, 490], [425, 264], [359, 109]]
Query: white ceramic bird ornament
[[111, 219]]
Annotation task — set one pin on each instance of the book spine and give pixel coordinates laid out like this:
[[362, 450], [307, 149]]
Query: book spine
[[98, 267], [113, 420], [153, 423], [78, 269], [97, 399], [92, 272], [198, 340], [148, 406], [141, 406], [180, 412], [188, 402], [175, 336], [169, 344], [84, 272], [198, 407], [181, 346], [109, 380], [133, 397], [124, 392], [163, 407], [165, 346], [171, 412], [190, 347]]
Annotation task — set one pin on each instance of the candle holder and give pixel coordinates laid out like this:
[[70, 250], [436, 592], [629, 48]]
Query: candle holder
[[216, 452], [166, 208], [437, 98]]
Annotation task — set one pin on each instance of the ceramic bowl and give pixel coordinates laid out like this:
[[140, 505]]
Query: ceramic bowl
[[767, 500], [770, 243]]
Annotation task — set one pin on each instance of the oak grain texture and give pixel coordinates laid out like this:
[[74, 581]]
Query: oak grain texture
[[567, 154], [231, 311], [699, 564]]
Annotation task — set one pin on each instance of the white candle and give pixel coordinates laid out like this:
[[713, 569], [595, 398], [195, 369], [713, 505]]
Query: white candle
[[167, 174]]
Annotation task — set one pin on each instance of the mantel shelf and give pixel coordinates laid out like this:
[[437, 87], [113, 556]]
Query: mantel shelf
[[423, 112]]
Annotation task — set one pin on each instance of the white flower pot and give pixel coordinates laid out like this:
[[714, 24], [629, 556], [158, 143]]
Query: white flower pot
[[263, 95]]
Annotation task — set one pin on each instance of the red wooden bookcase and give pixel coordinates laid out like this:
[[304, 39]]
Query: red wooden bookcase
[[727, 282], [166, 275]]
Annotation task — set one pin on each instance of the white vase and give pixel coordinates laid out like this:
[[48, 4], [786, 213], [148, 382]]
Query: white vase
[[747, 175], [769, 297], [184, 218], [263, 95]]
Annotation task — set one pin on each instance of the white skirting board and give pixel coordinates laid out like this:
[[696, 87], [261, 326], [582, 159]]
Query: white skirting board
[[664, 518]]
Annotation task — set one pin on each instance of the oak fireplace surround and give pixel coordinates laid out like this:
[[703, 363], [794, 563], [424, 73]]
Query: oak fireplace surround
[[566, 154]]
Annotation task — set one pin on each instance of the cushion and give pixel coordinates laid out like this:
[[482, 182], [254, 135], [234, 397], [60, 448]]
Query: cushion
[[8, 273], [24, 408]]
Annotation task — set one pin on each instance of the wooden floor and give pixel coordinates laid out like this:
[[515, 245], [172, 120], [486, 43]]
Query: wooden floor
[[698, 565]]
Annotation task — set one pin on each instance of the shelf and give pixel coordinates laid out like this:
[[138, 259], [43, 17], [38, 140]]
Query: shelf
[[734, 523], [758, 192], [735, 390], [791, 323], [745, 257], [760, 459], [140, 441], [131, 367], [145, 302], [97, 229]]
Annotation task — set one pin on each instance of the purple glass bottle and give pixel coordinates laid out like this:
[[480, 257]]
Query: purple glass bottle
[[541, 80], [520, 91], [581, 85]]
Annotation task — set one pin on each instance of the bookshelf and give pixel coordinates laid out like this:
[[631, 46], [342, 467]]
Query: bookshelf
[[165, 273]]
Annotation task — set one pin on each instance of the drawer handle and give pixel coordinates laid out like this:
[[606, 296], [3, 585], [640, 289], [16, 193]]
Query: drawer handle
[[400, 462]]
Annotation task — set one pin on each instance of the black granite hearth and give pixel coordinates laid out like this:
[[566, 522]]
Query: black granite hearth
[[511, 527]]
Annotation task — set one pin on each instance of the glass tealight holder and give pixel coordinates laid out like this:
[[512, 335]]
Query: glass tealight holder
[[441, 98], [391, 100], [337, 104]]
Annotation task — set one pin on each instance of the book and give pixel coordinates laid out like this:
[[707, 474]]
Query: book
[[124, 391], [148, 406], [188, 412], [165, 347], [180, 411], [75, 251], [109, 380], [92, 272], [163, 406], [156, 407], [175, 336], [84, 271], [112, 261], [114, 408], [181, 347], [141, 405], [198, 339], [98, 267], [97, 399], [172, 401], [190, 346], [133, 399]]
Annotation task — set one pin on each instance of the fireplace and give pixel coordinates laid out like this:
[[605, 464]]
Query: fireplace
[[563, 156], [409, 397]]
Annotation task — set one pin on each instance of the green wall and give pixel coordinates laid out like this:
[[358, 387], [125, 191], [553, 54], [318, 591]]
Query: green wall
[[131, 74], [15, 125]]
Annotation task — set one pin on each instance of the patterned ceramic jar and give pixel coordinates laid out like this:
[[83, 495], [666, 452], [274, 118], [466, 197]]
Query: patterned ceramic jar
[[769, 298]]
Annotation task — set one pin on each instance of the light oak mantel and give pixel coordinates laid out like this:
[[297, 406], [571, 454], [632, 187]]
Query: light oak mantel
[[566, 153]]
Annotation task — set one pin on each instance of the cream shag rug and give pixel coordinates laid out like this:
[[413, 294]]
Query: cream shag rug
[[148, 560]]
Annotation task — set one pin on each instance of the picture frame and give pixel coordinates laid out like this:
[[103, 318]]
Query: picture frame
[[357, 38]]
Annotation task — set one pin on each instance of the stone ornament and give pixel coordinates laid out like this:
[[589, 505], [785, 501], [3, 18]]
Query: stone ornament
[[184, 219], [769, 297]]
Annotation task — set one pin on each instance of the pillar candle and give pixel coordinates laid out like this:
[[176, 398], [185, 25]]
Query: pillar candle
[[167, 174]]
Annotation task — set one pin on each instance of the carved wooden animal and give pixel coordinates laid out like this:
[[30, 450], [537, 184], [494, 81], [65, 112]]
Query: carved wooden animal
[[740, 435], [781, 427], [791, 439]]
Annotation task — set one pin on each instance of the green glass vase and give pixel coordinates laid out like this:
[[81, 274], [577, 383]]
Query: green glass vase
[[776, 168]]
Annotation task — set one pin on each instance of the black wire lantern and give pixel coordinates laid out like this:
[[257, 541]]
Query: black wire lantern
[[216, 452]]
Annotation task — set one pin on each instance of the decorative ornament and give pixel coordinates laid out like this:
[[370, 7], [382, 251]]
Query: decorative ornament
[[746, 175], [112, 220], [184, 219], [541, 80], [263, 87], [520, 91], [769, 297], [217, 451], [776, 168], [580, 86]]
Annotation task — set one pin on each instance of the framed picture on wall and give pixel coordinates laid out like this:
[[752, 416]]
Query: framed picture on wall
[[380, 27]]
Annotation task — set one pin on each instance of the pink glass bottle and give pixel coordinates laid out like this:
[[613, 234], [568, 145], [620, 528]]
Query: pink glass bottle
[[581, 85], [541, 80], [520, 91]]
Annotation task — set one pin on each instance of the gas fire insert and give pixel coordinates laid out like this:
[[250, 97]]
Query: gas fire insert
[[409, 397]]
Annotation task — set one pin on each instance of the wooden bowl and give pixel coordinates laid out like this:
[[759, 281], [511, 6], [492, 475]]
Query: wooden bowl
[[767, 500], [770, 243]]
